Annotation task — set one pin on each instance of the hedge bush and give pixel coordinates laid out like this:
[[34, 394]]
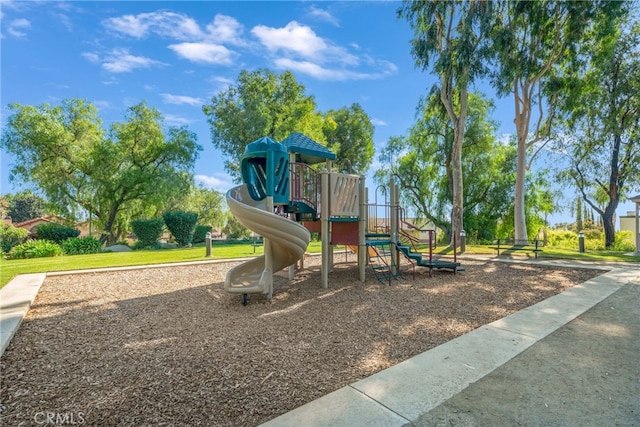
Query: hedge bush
[[181, 225], [57, 233], [35, 249], [624, 241], [148, 231], [81, 246], [200, 233], [11, 236]]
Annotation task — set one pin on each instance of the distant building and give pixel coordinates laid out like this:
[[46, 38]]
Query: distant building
[[628, 222], [632, 222]]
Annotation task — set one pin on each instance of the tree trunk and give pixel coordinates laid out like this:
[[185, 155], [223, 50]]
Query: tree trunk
[[609, 223], [458, 121], [519, 215], [458, 200], [108, 236], [522, 114]]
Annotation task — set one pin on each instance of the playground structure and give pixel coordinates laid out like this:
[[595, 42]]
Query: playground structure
[[283, 198]]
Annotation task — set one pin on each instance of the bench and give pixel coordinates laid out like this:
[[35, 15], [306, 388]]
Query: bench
[[508, 245]]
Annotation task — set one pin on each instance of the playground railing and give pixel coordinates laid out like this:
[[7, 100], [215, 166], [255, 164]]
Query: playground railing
[[304, 185], [378, 218]]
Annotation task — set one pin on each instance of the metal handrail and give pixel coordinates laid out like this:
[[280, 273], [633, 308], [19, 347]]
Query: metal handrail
[[304, 185]]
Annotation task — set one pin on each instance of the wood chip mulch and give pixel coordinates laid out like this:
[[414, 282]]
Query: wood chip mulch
[[167, 346]]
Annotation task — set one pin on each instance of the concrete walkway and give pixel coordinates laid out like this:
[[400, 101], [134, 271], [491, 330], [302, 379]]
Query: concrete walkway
[[569, 360], [15, 299]]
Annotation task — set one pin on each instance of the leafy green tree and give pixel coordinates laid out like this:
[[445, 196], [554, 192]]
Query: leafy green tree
[[602, 140], [233, 229], [11, 236], [65, 151], [532, 39], [209, 205], [540, 200], [351, 138], [261, 103], [422, 165], [25, 205], [578, 212], [452, 38]]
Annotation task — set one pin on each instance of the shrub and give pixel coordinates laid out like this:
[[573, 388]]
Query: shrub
[[562, 239], [81, 246], [56, 233], [11, 236], [200, 233], [148, 231], [35, 249], [624, 242], [181, 225]]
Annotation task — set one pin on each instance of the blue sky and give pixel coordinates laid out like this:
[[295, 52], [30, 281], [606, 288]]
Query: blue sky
[[177, 55]]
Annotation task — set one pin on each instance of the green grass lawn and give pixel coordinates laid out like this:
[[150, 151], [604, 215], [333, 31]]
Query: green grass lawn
[[550, 252], [10, 268], [547, 252]]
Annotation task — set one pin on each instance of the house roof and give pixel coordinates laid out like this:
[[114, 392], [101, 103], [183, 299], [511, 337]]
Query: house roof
[[30, 223], [635, 199], [306, 149]]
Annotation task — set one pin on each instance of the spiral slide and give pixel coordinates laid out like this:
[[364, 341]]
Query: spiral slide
[[287, 238]]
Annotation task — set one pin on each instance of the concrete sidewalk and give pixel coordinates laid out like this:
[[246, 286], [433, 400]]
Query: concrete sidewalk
[[569, 360]]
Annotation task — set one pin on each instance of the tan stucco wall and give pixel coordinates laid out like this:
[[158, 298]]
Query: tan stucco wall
[[628, 223]]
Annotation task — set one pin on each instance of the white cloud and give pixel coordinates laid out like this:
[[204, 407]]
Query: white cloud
[[164, 23], [298, 48], [121, 61], [225, 29], [219, 84], [335, 74], [91, 57], [177, 26], [221, 182], [128, 24], [102, 105], [295, 46], [311, 69], [300, 40], [17, 27], [225, 81], [180, 99], [174, 120], [378, 122], [323, 15], [64, 20], [207, 53]]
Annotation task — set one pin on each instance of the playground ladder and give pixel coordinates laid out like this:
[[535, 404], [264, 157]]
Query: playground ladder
[[380, 259]]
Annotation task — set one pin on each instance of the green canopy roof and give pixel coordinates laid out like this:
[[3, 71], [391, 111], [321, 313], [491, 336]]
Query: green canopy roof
[[306, 149]]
